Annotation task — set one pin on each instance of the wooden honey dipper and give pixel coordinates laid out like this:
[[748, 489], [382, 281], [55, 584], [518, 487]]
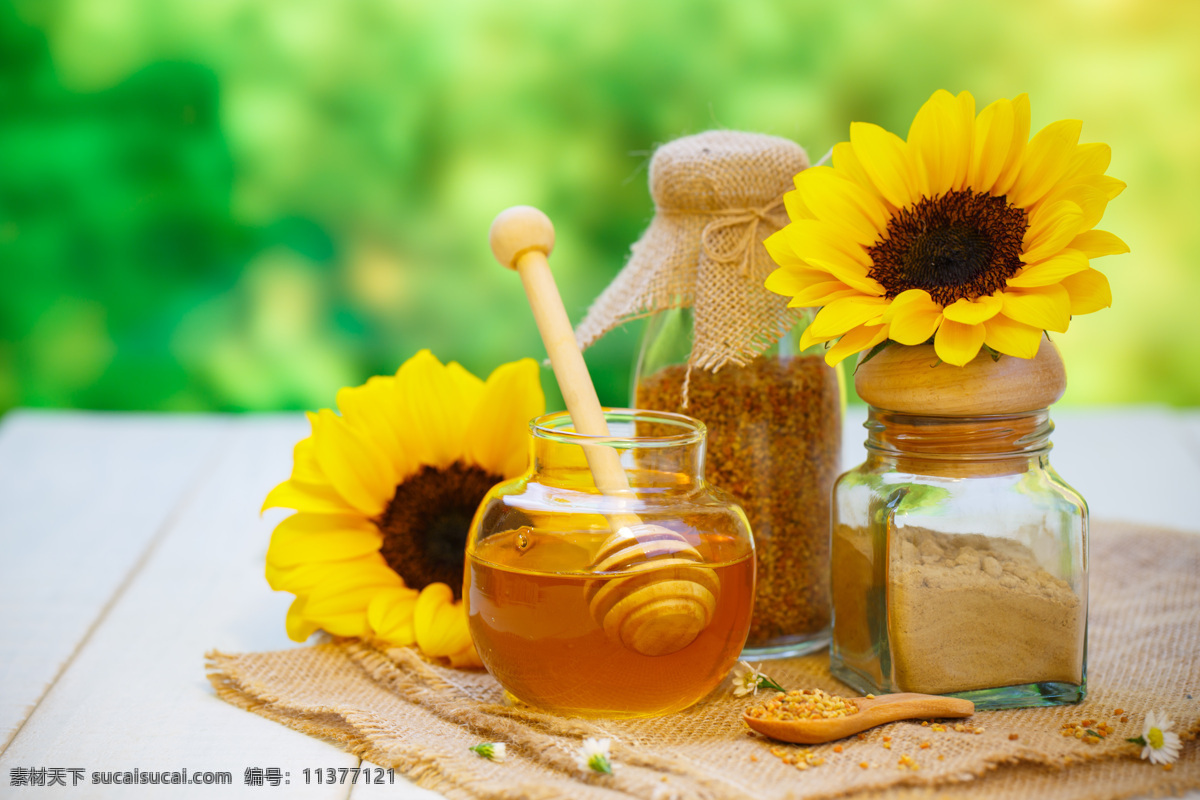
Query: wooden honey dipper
[[669, 598]]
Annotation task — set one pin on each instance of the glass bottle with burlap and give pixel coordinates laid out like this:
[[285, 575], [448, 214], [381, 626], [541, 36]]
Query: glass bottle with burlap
[[721, 348]]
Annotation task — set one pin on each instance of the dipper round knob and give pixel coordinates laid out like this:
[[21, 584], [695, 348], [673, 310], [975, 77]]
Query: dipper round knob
[[518, 230]]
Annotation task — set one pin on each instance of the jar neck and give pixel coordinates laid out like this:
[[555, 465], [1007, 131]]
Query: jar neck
[[974, 446], [658, 451]]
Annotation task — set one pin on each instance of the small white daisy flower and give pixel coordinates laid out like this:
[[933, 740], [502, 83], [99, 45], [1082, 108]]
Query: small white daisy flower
[[594, 755], [750, 680], [1158, 743], [492, 751]]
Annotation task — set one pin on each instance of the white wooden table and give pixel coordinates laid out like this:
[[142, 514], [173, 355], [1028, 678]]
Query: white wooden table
[[131, 544]]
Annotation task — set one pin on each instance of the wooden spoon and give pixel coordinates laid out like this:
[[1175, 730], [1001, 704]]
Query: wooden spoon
[[871, 712], [652, 614]]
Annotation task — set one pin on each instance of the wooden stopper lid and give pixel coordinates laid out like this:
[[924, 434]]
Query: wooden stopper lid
[[910, 380]]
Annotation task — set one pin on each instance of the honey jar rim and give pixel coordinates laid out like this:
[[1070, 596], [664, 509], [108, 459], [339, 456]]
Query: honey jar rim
[[554, 426]]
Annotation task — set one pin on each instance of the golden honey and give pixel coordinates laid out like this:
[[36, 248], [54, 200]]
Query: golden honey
[[529, 596]]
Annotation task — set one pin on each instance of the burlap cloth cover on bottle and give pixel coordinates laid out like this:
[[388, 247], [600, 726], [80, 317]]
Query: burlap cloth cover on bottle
[[394, 709], [717, 195]]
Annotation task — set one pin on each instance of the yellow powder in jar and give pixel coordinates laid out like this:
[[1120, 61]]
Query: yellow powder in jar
[[970, 612]]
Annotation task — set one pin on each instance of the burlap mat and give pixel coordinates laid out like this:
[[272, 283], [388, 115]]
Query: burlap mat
[[394, 709]]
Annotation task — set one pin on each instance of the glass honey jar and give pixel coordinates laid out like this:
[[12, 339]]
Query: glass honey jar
[[604, 604], [959, 556]]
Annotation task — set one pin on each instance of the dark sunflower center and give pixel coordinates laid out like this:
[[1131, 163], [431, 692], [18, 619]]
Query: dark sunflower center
[[425, 525], [957, 245]]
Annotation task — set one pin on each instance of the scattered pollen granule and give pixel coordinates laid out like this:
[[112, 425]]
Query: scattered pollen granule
[[837, 748], [887, 745], [800, 759], [753, 757], [863, 764], [1012, 737], [801, 704], [906, 762], [941, 758], [941, 728], [1118, 712], [924, 745], [925, 724], [1085, 732]]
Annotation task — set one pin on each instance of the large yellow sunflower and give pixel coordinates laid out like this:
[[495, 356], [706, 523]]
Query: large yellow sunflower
[[969, 233], [384, 494]]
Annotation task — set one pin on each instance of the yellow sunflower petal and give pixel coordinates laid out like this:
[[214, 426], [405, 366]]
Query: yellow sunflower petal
[[811, 239], [1045, 161], [298, 626], [780, 250], [465, 658], [886, 159], [433, 406], [1044, 307], [353, 624], [440, 623], [314, 498], [819, 248], [371, 410], [973, 312], [861, 338], [1052, 270], [1011, 337], [820, 294], [351, 594], [941, 137], [355, 466], [304, 578], [390, 615], [993, 140], [842, 204], [1051, 229], [1110, 186], [469, 386], [841, 315], [846, 161], [322, 537], [305, 468], [792, 280], [913, 317], [1090, 198], [1092, 158], [793, 204], [1088, 290], [498, 432], [1016, 150], [1095, 244], [956, 343]]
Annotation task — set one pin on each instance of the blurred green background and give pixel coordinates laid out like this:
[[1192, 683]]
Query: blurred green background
[[245, 204]]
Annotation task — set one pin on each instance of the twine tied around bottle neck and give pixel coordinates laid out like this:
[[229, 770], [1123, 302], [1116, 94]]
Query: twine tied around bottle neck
[[739, 250]]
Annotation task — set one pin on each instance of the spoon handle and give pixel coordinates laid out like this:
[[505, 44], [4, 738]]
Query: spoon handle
[[910, 705]]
